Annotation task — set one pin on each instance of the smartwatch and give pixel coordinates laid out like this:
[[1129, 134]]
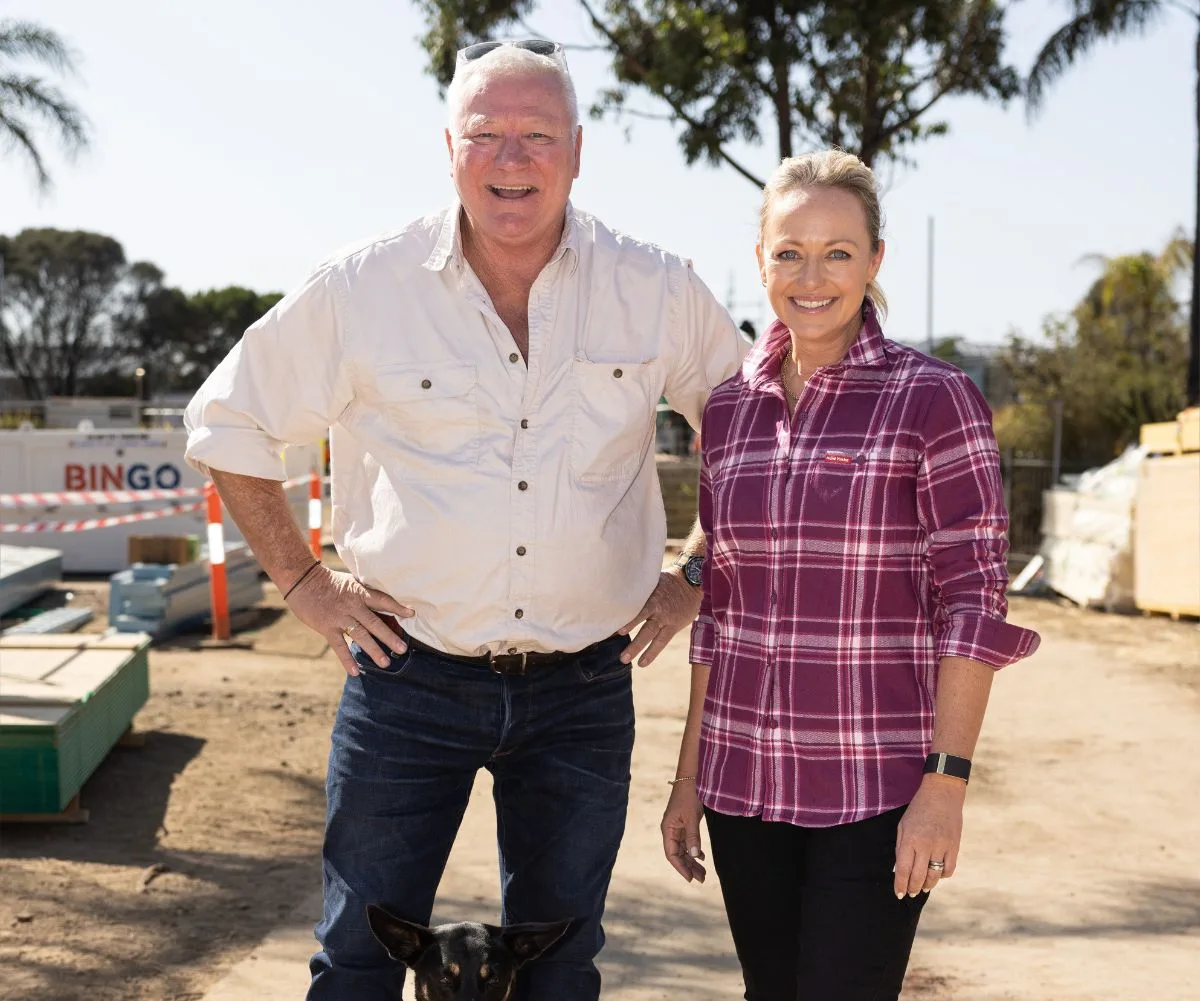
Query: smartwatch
[[948, 764]]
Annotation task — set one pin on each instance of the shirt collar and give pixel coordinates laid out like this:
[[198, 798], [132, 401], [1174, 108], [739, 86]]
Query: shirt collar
[[868, 350], [449, 242]]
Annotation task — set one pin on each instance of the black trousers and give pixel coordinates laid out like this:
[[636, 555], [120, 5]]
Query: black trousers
[[812, 910]]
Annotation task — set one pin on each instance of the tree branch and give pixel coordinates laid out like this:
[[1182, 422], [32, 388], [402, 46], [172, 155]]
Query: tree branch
[[951, 76], [674, 104], [648, 115]]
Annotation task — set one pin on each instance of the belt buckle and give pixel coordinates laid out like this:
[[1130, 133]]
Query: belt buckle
[[508, 663]]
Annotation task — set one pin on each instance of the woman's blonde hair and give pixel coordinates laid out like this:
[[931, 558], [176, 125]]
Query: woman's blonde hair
[[831, 168]]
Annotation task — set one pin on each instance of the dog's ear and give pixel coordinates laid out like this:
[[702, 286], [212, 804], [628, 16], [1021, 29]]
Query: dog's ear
[[528, 941], [404, 940]]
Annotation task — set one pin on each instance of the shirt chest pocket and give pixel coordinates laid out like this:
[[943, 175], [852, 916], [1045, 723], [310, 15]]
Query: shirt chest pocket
[[431, 419], [613, 420], [846, 491]]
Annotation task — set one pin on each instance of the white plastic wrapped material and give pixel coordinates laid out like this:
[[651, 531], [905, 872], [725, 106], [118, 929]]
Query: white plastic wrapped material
[[1087, 535]]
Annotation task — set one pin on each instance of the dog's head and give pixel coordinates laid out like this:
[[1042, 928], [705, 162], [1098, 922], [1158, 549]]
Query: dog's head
[[463, 962]]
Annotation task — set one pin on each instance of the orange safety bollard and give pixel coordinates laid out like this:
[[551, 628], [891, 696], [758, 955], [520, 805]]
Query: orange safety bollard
[[314, 513], [218, 582]]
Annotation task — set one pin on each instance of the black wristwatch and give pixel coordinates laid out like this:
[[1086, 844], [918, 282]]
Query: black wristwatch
[[949, 764], [693, 568]]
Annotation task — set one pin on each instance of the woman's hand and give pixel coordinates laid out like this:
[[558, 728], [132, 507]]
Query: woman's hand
[[930, 831], [681, 831], [338, 607]]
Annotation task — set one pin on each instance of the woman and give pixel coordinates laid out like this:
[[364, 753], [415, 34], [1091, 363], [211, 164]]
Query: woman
[[853, 617]]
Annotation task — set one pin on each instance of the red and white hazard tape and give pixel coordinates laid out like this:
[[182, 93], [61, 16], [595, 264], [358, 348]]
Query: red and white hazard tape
[[81, 498], [89, 523]]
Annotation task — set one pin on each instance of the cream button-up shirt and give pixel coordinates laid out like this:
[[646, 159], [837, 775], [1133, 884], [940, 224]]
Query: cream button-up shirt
[[512, 506]]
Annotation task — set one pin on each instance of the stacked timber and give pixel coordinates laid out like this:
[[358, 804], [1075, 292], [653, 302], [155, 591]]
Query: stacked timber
[[1167, 523]]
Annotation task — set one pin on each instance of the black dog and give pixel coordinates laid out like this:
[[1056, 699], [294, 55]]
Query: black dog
[[463, 962]]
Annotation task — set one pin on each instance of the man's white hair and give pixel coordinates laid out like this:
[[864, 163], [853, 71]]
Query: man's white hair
[[507, 60]]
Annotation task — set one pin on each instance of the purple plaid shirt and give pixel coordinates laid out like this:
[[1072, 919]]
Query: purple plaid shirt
[[849, 548]]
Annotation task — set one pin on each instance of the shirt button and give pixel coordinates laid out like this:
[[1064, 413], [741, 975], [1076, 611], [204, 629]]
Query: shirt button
[[772, 722], [426, 384], [524, 424], [514, 357], [522, 485], [617, 373], [519, 613], [521, 550]]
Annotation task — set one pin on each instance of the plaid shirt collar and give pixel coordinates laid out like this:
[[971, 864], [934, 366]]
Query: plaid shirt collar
[[868, 350]]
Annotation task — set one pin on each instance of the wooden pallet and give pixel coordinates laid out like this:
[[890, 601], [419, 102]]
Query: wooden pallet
[[1174, 612]]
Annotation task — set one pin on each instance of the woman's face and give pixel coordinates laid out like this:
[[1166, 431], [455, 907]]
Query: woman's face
[[815, 259]]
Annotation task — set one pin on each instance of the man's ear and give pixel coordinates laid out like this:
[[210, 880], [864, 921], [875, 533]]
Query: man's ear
[[404, 940], [528, 941]]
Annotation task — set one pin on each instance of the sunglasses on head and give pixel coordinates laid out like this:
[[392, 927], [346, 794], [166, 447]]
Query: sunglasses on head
[[539, 46]]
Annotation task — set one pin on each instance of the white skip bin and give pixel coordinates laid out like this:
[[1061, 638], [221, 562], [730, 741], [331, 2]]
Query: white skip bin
[[57, 462]]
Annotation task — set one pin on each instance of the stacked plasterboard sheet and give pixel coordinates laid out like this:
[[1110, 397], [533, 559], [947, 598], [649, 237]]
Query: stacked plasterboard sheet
[[64, 702], [161, 600], [25, 572]]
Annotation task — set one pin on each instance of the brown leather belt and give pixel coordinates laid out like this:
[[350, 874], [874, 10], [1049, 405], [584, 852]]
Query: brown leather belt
[[513, 664]]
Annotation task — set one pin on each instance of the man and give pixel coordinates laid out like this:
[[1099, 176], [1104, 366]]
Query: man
[[489, 376]]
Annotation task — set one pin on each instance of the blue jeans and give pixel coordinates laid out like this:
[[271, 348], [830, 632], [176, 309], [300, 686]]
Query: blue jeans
[[407, 743]]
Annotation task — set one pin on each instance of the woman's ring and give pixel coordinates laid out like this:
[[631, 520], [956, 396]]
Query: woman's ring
[[937, 866], [350, 628]]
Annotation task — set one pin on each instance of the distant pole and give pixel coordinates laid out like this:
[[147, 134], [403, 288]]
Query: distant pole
[[1056, 455], [929, 295]]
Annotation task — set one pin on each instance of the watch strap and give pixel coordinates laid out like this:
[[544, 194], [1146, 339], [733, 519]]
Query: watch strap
[[948, 764]]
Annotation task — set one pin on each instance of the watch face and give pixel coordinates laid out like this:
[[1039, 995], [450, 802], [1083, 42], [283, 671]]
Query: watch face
[[693, 570]]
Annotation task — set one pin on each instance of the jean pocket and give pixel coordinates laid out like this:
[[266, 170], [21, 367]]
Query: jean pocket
[[397, 666], [604, 663]]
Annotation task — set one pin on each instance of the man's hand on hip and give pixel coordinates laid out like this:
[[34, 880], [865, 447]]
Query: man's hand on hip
[[673, 604], [338, 607]]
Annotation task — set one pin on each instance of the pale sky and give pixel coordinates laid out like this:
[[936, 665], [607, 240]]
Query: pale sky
[[243, 141]]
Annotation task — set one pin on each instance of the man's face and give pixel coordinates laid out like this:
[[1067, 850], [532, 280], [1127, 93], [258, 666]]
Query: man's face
[[513, 157]]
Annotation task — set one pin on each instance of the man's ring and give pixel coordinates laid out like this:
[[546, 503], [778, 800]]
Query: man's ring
[[937, 866], [350, 628]]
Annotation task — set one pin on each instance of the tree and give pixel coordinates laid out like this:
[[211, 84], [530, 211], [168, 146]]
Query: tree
[[856, 74], [1091, 22], [152, 329], [1113, 363], [221, 317], [27, 100], [60, 292]]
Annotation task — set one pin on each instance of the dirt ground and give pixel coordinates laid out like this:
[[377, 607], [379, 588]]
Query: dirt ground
[[1077, 879]]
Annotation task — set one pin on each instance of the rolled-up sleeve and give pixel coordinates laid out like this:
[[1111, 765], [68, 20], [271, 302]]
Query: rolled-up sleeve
[[961, 504], [704, 629], [708, 348], [283, 384]]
